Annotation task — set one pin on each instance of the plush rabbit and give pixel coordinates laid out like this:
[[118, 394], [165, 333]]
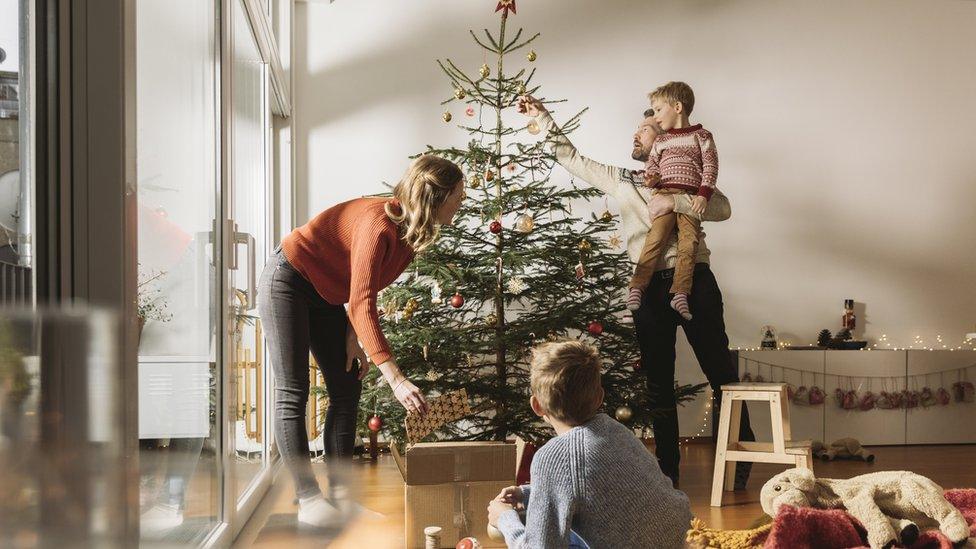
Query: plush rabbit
[[843, 448], [892, 505]]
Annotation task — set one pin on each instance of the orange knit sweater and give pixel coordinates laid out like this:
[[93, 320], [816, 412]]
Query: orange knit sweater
[[349, 253]]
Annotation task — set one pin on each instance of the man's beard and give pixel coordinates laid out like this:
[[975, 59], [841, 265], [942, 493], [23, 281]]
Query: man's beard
[[639, 154]]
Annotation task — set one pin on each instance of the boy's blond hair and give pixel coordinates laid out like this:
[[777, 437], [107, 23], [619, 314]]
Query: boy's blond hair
[[565, 379], [675, 92]]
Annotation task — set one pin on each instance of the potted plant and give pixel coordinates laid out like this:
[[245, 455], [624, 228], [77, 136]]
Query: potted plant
[[151, 305]]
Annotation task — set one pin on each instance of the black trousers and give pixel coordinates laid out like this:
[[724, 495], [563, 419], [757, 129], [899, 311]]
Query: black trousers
[[296, 319], [657, 325]]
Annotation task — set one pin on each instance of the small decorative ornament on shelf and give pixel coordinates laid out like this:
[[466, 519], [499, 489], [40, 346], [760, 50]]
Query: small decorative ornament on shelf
[[768, 338]]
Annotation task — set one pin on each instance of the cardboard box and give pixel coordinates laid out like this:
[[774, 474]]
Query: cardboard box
[[449, 484]]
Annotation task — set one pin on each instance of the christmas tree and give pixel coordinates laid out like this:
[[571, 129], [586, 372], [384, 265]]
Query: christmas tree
[[517, 268]]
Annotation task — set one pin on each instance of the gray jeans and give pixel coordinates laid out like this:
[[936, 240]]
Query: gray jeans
[[296, 319]]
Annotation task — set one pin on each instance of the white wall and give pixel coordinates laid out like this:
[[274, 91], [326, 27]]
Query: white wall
[[844, 130]]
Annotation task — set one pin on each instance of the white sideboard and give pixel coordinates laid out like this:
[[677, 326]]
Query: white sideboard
[[875, 371], [174, 397]]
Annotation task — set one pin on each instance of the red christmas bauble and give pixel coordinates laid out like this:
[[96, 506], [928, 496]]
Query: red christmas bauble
[[457, 300], [375, 423], [495, 227], [468, 543], [595, 328]]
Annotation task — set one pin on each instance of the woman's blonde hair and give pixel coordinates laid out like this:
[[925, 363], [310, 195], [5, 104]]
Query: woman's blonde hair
[[422, 191]]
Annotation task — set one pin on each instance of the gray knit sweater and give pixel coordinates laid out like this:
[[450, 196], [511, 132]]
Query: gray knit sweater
[[601, 482]]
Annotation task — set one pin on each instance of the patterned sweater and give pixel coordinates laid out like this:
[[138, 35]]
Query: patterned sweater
[[626, 186], [601, 482], [686, 159]]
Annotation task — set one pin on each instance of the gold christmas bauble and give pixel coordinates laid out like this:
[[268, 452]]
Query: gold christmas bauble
[[447, 116], [531, 56], [489, 175], [624, 414], [606, 217], [485, 71], [520, 89], [584, 245], [533, 127], [459, 93], [491, 319], [474, 181], [524, 223]]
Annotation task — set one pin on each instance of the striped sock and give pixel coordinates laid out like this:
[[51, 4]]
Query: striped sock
[[634, 298], [680, 303]]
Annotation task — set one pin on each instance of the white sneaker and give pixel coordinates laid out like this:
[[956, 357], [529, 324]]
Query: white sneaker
[[316, 511], [351, 508], [160, 519]]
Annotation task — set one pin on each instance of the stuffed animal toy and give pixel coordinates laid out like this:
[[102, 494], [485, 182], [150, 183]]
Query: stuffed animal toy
[[817, 396], [843, 448], [892, 505]]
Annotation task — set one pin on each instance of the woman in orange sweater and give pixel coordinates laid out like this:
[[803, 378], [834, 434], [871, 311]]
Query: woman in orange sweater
[[345, 255]]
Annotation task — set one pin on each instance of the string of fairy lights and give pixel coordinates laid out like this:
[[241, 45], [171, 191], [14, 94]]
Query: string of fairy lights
[[884, 344]]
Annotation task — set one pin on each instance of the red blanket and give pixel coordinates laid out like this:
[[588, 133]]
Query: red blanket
[[802, 528]]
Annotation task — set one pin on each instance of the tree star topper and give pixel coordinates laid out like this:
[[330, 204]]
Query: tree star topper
[[505, 5]]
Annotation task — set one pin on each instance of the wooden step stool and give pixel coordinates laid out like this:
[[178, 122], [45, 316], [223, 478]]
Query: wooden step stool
[[728, 448]]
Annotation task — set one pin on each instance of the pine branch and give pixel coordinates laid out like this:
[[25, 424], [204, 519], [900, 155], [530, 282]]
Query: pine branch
[[493, 48]]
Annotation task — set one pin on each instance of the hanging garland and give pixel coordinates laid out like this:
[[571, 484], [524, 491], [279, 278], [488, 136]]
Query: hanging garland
[[861, 396]]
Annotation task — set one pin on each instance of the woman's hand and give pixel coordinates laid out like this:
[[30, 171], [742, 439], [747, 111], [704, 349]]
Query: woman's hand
[[355, 353], [531, 106], [409, 396]]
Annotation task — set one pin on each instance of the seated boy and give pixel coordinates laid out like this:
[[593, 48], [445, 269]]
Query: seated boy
[[594, 484]]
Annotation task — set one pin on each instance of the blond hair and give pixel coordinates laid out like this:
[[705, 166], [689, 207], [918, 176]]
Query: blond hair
[[565, 379], [675, 92], [421, 192]]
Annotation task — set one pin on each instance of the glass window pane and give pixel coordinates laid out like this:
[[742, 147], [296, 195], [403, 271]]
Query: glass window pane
[[177, 137], [16, 188], [249, 212]]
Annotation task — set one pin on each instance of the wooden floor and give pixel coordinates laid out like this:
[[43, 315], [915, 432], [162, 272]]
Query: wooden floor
[[381, 489]]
